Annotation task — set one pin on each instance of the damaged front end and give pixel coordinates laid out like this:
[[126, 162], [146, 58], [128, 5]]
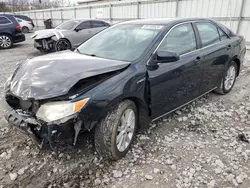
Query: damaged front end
[[44, 40], [46, 97], [26, 116], [45, 44]]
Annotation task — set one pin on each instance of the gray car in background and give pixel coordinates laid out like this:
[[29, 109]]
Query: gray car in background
[[68, 35]]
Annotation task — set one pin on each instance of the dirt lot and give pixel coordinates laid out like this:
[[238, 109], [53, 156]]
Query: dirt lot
[[205, 144]]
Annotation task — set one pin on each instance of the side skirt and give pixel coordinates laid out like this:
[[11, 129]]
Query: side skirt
[[183, 105]]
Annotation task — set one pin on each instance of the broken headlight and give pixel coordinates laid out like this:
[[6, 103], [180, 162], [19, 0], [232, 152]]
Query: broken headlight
[[53, 111]]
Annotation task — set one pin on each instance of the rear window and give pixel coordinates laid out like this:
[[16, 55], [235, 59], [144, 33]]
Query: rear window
[[23, 17], [4, 20]]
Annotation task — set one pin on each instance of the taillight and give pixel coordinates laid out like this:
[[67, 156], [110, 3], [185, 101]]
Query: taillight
[[19, 28], [30, 22]]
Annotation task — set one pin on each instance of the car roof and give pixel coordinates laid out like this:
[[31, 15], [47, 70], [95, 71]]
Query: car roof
[[7, 15], [86, 19], [164, 21], [174, 21]]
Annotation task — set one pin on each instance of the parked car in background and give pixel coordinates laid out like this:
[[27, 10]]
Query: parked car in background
[[26, 18], [10, 31], [120, 79], [68, 35], [27, 26]]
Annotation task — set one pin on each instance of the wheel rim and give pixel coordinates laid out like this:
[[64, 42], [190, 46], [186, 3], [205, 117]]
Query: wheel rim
[[125, 130], [230, 77], [63, 45], [5, 41]]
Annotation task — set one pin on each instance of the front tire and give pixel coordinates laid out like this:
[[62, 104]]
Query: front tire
[[6, 41], [228, 79], [115, 133], [62, 44]]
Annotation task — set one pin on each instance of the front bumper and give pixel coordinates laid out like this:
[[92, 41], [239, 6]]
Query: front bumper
[[44, 44], [41, 133]]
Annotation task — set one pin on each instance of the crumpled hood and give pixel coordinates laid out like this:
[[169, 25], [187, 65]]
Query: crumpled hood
[[53, 75], [46, 33]]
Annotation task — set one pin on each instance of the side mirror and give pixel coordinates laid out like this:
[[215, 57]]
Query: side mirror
[[78, 29], [167, 57]]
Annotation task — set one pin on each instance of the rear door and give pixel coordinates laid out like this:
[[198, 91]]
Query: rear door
[[176, 83], [216, 50], [97, 26]]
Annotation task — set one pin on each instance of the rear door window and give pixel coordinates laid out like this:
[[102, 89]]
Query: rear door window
[[98, 24], [223, 36], [208, 33], [4, 20]]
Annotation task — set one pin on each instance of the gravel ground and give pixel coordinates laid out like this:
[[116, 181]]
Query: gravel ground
[[205, 144]]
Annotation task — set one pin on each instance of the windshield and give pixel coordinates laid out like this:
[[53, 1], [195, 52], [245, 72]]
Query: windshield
[[124, 42], [68, 24]]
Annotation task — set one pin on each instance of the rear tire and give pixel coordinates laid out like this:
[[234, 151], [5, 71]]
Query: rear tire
[[228, 79], [25, 29], [6, 41], [115, 133]]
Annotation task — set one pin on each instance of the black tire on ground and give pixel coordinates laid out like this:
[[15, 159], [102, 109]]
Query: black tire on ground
[[25, 29], [45, 51], [8, 38], [222, 89], [106, 131], [62, 44]]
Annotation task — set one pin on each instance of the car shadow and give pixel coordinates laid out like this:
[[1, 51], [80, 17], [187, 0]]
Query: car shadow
[[19, 45]]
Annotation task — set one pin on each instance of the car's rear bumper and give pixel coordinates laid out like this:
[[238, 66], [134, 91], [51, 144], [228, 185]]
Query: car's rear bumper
[[41, 133], [31, 27], [20, 37]]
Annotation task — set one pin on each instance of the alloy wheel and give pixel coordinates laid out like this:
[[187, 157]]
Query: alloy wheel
[[5, 41], [230, 77], [62, 45], [125, 130]]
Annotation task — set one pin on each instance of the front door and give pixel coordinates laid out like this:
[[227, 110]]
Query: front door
[[83, 34], [176, 83]]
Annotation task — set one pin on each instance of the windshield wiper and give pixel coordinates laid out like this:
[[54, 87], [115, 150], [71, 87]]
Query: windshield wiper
[[93, 55]]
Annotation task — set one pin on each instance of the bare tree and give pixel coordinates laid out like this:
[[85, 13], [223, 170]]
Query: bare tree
[[23, 5], [4, 7]]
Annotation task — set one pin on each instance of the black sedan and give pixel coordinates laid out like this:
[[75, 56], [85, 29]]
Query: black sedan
[[120, 80]]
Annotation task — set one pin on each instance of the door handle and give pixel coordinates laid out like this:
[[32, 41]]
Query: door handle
[[198, 58], [229, 47]]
